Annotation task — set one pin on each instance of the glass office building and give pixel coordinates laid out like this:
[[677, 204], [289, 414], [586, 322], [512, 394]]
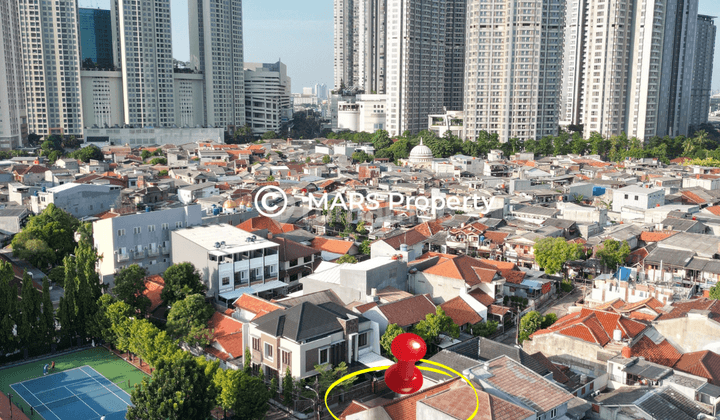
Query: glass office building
[[96, 38]]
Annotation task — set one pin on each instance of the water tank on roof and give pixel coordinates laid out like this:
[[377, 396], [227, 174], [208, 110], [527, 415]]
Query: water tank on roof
[[44, 189], [147, 209], [598, 191], [215, 210], [482, 239], [403, 247], [617, 335], [35, 193]]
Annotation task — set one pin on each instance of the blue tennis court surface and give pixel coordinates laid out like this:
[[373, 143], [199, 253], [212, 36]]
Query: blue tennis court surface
[[80, 393]]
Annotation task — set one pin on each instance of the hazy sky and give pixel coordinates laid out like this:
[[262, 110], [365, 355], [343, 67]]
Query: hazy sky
[[300, 33]]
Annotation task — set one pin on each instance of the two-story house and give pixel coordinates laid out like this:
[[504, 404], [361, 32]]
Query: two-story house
[[80, 200], [305, 335], [296, 261]]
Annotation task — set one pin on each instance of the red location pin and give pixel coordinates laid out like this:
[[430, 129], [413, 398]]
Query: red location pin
[[403, 377]]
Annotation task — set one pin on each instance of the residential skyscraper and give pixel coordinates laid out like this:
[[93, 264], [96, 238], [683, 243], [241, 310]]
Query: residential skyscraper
[[513, 65], [454, 54], [608, 51], [573, 64], [13, 123], [51, 61], [96, 38], [415, 63], [216, 49], [359, 42], [267, 96], [703, 70], [143, 41]]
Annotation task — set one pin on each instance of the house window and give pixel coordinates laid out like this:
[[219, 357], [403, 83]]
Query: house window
[[151, 228], [636, 198], [178, 225], [626, 196], [323, 356], [362, 339], [225, 281], [136, 230], [293, 263], [553, 413], [268, 351], [121, 232], [165, 226], [285, 357], [256, 343]]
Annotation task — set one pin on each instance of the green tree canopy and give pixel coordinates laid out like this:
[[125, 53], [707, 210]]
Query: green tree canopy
[[47, 238], [484, 329], [9, 315], [187, 320], [326, 159], [392, 331], [269, 135], [29, 329], [434, 324], [178, 389], [242, 393], [548, 320], [613, 253], [328, 375], [531, 322], [92, 152], [552, 253], [47, 319], [349, 259], [130, 287], [181, 280]]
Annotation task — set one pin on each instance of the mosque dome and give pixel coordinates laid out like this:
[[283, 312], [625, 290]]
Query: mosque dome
[[421, 153], [229, 204]]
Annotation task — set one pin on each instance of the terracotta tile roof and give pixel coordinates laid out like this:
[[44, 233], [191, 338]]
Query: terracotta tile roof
[[404, 408], [257, 147], [430, 228], [692, 197], [496, 237], [532, 389], [714, 210], [680, 309], [463, 267], [594, 326], [408, 238], [655, 236], [650, 302], [491, 407], [500, 265], [227, 332], [366, 307], [408, 311], [266, 223], [680, 160], [256, 305], [334, 246], [460, 312], [154, 286], [613, 304], [637, 256], [498, 310], [354, 408], [513, 276], [391, 294], [32, 169], [442, 257], [663, 353], [705, 364], [482, 297]]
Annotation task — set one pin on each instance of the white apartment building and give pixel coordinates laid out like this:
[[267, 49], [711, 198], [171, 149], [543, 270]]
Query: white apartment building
[[80, 200], [362, 113], [359, 44], [702, 77], [117, 136], [13, 118], [189, 100], [267, 96], [51, 60], [455, 54], [573, 64], [661, 68], [451, 121], [415, 63], [216, 49], [608, 51], [143, 41], [142, 238], [637, 197], [228, 258], [513, 63]]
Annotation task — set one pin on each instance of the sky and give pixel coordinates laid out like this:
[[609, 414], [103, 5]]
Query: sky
[[300, 33]]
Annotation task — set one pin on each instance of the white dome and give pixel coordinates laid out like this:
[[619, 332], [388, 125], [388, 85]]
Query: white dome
[[420, 153]]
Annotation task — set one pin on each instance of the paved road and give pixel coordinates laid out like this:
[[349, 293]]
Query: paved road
[[560, 307], [276, 414]]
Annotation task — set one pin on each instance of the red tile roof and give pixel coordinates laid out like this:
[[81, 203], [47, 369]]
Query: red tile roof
[[594, 326], [482, 297], [681, 309], [154, 286], [266, 223], [404, 408], [692, 197], [663, 353], [366, 307], [452, 403], [408, 238], [463, 267], [227, 333], [705, 364], [714, 210], [334, 246], [408, 311], [496, 237], [460, 312], [655, 236], [430, 228], [256, 305]]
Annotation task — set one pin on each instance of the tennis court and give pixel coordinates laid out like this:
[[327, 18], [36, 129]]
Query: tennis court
[[80, 393]]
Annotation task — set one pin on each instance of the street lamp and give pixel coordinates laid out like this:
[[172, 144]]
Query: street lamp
[[317, 401]]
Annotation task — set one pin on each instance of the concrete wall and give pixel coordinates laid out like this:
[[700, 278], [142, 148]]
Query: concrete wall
[[102, 98], [440, 288], [346, 293], [392, 274], [184, 250], [568, 348], [683, 332], [80, 201]]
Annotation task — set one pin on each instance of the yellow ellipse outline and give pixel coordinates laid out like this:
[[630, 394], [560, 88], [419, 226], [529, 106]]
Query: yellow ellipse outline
[[429, 369]]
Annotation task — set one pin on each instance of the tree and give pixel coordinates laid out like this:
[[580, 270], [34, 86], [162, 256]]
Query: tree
[[187, 320], [434, 324], [101, 326], [145, 154], [349, 259], [47, 320], [56, 228], [365, 247], [247, 361], [89, 287], [130, 288], [392, 331], [67, 314], [28, 329], [551, 254], [269, 135], [548, 320], [181, 280], [158, 161], [531, 322], [328, 375], [715, 292], [270, 178], [8, 309], [178, 389], [360, 228], [88, 153], [326, 159], [613, 253], [287, 387], [484, 329], [244, 394]]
